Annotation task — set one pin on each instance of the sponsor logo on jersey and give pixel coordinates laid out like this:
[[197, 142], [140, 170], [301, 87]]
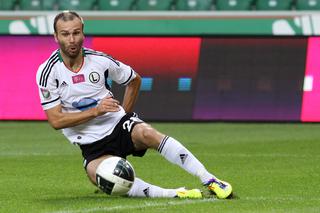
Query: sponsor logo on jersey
[[78, 79], [45, 93], [94, 77], [85, 103]]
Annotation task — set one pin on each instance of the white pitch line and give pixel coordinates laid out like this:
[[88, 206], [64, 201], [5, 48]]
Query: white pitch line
[[179, 203], [132, 207]]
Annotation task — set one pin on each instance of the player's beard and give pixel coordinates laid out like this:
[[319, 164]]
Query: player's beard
[[72, 50]]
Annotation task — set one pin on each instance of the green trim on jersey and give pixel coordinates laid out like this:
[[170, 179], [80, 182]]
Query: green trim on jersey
[[60, 57]]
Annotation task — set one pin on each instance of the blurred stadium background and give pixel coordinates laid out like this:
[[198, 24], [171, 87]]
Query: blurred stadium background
[[226, 60], [200, 60], [163, 5]]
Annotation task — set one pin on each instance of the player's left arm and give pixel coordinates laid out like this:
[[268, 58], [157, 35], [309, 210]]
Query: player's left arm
[[131, 93], [125, 76]]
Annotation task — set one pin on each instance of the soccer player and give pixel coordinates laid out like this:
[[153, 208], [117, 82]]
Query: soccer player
[[76, 98]]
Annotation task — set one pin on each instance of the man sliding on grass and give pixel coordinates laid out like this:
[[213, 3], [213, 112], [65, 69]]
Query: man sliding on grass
[[77, 99]]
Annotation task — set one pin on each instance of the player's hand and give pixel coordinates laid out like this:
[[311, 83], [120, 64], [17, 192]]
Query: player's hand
[[108, 105]]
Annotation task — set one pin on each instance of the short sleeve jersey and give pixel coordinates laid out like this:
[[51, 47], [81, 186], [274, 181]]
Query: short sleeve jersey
[[82, 90]]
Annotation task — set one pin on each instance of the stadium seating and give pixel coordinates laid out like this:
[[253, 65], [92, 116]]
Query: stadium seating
[[193, 4], [274, 4], [154, 4], [30, 4], [7, 4], [234, 4], [49, 4], [308, 4], [161, 5], [76, 4], [115, 4]]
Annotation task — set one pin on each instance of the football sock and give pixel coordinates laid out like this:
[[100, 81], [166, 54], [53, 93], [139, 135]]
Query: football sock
[[176, 153], [141, 188]]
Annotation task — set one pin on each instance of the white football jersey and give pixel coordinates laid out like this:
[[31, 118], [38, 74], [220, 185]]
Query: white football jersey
[[79, 91]]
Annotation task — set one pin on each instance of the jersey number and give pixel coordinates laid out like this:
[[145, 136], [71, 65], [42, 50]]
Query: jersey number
[[127, 125]]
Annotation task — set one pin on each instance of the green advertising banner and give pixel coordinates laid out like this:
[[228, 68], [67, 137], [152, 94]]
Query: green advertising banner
[[170, 23]]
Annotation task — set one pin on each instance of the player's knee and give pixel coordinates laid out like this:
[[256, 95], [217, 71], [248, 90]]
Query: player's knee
[[91, 173], [92, 168], [152, 137], [148, 133], [146, 136]]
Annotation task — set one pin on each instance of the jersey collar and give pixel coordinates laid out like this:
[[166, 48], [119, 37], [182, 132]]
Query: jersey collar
[[61, 59]]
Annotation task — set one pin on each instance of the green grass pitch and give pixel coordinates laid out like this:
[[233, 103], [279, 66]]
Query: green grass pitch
[[272, 167]]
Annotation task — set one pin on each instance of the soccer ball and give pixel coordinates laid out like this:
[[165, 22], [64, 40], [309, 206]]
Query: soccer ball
[[115, 176]]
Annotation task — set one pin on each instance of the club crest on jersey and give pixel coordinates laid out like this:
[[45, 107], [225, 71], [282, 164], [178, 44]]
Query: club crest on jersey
[[94, 77], [45, 93], [78, 78]]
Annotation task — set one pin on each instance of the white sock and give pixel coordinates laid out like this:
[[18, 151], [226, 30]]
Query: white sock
[[176, 153], [144, 189]]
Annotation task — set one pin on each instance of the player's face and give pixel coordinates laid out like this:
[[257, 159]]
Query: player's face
[[70, 37]]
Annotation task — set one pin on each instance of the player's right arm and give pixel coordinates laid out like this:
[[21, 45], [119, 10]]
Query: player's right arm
[[60, 120]]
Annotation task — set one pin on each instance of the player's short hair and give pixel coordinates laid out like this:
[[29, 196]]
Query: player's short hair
[[66, 16]]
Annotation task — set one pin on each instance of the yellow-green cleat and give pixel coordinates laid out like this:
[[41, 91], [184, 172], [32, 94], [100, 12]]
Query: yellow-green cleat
[[191, 194], [220, 188]]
